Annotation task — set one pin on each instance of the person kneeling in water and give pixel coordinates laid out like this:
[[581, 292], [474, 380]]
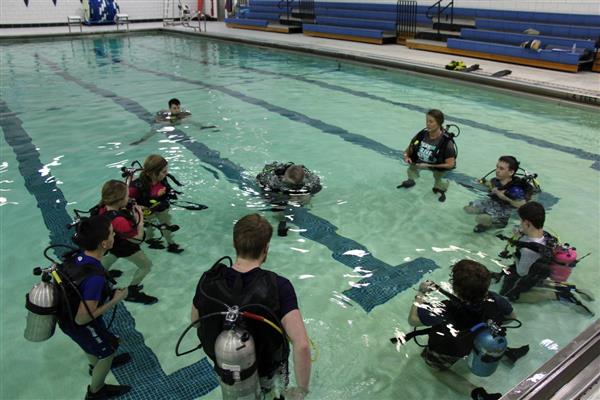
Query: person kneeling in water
[[80, 314], [526, 280], [432, 148], [507, 192], [449, 339], [284, 183]]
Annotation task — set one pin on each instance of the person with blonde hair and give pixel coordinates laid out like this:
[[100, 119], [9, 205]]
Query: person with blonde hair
[[152, 191], [127, 220]]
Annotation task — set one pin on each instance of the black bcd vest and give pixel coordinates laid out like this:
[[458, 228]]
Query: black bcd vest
[[438, 155], [271, 347], [445, 339], [74, 275]]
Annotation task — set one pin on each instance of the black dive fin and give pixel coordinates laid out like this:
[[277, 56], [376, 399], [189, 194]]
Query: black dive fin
[[502, 73]]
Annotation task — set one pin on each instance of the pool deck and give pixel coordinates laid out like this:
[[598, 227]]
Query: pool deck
[[581, 88]]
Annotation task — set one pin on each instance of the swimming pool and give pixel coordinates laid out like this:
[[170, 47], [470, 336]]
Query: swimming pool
[[71, 108]]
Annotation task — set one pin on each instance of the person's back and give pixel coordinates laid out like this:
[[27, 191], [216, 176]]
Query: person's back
[[270, 302], [284, 183]]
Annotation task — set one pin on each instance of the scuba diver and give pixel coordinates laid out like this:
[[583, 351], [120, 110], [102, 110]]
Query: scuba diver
[[127, 220], [153, 191], [538, 259], [78, 292], [468, 322], [249, 347], [282, 183], [432, 148], [173, 114], [507, 191], [164, 120]]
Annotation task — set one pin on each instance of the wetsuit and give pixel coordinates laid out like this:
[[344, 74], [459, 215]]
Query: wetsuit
[[500, 210]]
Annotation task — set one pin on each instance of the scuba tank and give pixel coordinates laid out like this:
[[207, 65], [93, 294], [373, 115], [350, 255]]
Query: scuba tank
[[563, 261], [235, 363], [41, 303], [489, 346], [236, 359]]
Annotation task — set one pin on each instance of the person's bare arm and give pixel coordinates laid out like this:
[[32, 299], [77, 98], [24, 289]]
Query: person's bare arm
[[294, 327], [503, 197], [83, 316], [413, 317], [194, 316]]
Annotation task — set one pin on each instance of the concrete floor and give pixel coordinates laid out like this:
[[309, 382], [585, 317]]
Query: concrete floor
[[581, 87]]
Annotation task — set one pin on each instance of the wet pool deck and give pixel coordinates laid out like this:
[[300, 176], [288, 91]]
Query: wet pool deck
[[582, 87]]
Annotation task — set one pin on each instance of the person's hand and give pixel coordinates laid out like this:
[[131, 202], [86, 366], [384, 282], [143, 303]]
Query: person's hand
[[499, 193], [427, 286], [407, 159], [161, 192], [120, 294], [295, 393]]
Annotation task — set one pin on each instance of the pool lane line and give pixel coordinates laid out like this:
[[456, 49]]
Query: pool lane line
[[381, 286], [187, 383], [547, 199], [49, 198], [579, 153]]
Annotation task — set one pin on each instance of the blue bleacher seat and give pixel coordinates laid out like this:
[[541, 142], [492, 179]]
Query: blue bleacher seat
[[563, 57], [245, 21], [544, 29], [341, 30], [518, 38], [357, 23]]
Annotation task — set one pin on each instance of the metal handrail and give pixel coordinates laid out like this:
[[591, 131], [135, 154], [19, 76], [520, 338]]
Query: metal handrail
[[201, 16], [440, 11], [306, 8], [406, 18], [287, 8]]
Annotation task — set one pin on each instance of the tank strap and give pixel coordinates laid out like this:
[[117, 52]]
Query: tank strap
[[230, 377]]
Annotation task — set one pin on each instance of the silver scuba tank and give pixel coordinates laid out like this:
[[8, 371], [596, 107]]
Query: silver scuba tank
[[41, 303], [235, 352]]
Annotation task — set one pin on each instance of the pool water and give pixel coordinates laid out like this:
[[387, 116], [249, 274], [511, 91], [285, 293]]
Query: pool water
[[70, 110]]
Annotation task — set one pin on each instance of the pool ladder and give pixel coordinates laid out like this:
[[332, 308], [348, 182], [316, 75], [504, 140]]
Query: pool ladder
[[183, 17]]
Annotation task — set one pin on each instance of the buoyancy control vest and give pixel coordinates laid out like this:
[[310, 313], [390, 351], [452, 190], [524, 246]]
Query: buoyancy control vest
[[454, 336], [271, 351], [546, 250], [270, 179], [158, 204], [74, 275], [122, 247], [516, 181], [438, 154]]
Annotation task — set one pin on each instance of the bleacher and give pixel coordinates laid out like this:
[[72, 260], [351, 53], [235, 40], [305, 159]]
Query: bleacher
[[359, 22], [267, 15], [568, 41]]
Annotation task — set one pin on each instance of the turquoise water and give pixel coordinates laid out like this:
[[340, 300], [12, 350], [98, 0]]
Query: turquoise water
[[83, 102]]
